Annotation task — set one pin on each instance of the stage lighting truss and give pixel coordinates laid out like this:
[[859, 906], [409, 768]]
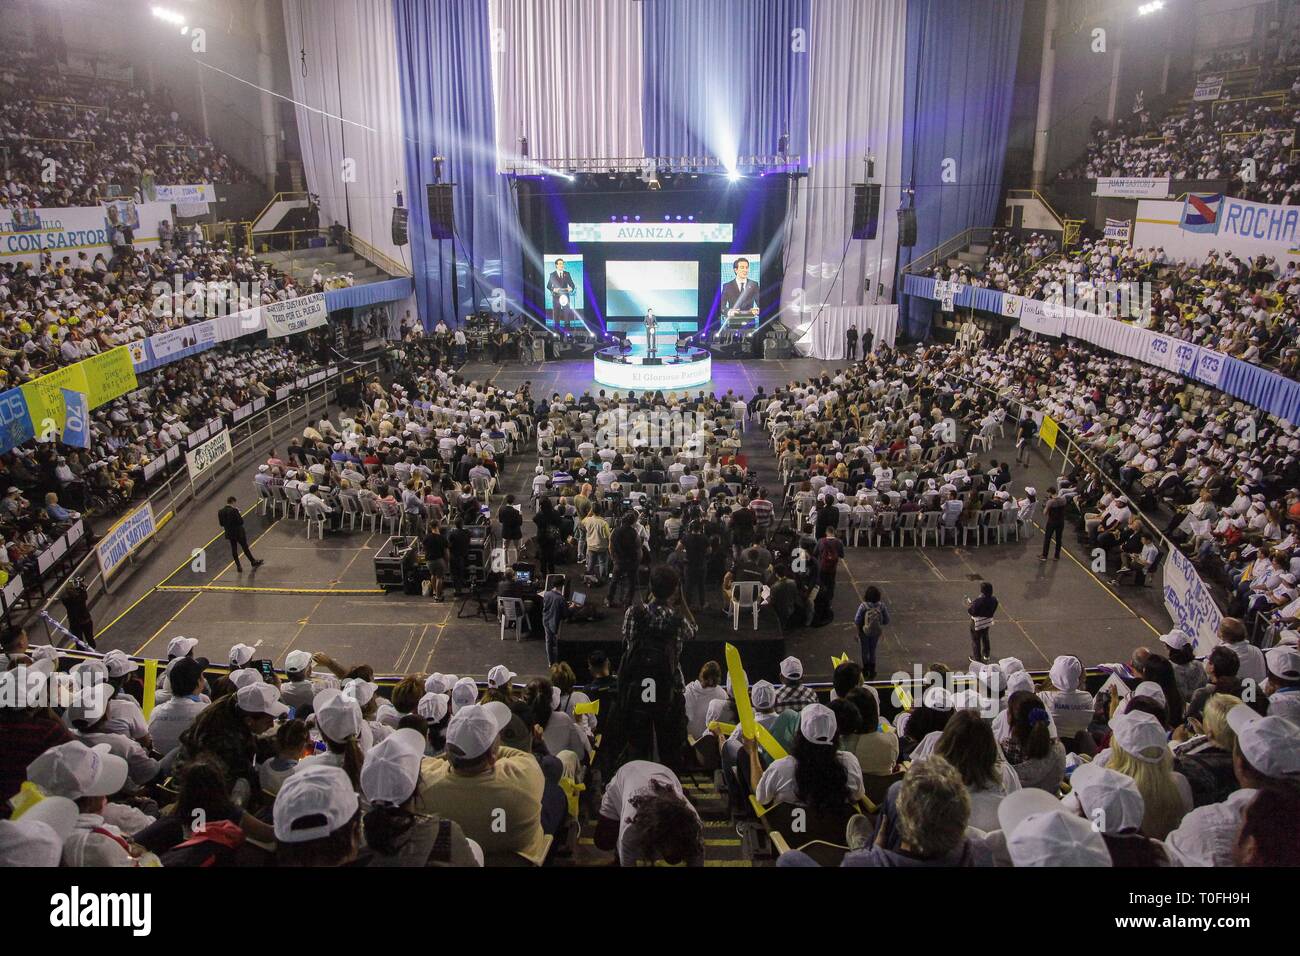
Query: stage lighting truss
[[569, 166]]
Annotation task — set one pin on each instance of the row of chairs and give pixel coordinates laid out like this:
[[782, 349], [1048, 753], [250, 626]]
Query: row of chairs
[[915, 528]]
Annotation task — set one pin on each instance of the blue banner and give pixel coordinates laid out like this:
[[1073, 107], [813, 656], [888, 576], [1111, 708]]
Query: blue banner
[[76, 421], [16, 426]]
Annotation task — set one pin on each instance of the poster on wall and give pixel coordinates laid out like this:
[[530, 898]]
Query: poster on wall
[[26, 233], [1133, 187]]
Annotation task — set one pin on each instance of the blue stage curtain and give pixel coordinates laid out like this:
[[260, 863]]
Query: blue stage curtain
[[445, 58], [724, 78], [960, 77]]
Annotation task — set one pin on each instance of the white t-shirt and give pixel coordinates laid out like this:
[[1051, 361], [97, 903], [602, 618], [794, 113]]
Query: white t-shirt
[[168, 721], [777, 783], [698, 698], [633, 778]]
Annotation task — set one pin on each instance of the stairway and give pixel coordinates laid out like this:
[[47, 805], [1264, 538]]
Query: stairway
[[301, 263], [972, 258]]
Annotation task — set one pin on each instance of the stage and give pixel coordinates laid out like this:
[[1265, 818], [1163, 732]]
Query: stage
[[633, 368]]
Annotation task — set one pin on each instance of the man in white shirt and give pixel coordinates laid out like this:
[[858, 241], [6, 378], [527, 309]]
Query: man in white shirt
[[171, 719], [1232, 633], [645, 816]]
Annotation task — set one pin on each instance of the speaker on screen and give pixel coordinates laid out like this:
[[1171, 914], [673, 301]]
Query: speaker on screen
[[441, 218], [907, 227], [866, 210], [400, 235]]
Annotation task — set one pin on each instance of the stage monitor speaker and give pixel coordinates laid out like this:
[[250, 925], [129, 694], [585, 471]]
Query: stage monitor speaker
[[441, 217], [401, 216], [866, 210], [652, 361], [907, 227]]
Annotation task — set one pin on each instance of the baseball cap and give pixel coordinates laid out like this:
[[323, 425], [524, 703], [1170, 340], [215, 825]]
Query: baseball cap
[[1283, 662], [180, 646], [260, 698], [362, 691], [1270, 744], [792, 668], [1066, 672], [338, 716], [1177, 639], [241, 654], [392, 768], [1139, 735], [474, 728], [763, 695], [1054, 838], [1108, 798], [118, 664], [36, 838], [296, 662], [245, 678], [315, 791], [433, 707], [74, 770], [464, 693], [1153, 690], [817, 724], [437, 683], [500, 676]]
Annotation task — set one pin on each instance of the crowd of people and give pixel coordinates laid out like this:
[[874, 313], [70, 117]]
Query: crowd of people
[[1246, 142], [105, 140]]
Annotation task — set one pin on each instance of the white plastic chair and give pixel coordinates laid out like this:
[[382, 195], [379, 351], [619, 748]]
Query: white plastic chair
[[316, 516], [745, 595], [513, 617]]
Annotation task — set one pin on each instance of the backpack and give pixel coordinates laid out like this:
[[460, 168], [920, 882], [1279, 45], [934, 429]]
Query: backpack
[[872, 621], [215, 846], [650, 657], [829, 561]]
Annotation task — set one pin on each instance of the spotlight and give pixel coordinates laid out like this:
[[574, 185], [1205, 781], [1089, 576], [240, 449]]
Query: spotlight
[[169, 16], [734, 175], [1153, 7], [637, 218]]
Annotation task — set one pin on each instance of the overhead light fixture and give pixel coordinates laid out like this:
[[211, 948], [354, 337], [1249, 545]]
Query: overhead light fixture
[[1153, 7], [169, 16]]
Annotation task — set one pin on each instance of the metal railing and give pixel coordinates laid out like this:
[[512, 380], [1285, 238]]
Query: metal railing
[[279, 197], [178, 491], [375, 257], [948, 248]]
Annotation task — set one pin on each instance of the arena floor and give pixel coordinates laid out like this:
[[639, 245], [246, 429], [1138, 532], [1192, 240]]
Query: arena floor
[[321, 596]]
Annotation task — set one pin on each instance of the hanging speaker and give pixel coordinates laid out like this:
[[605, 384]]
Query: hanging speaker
[[441, 218], [400, 234], [907, 227], [866, 210]]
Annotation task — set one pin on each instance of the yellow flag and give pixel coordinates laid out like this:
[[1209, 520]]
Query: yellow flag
[[837, 661], [590, 707], [150, 685], [740, 691]]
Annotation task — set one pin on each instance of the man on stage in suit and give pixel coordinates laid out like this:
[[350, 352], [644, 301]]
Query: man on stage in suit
[[650, 325], [560, 285], [851, 343]]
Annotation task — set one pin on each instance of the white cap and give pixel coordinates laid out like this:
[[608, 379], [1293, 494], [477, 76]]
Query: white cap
[[74, 770], [464, 693], [118, 664], [297, 662], [245, 678], [1009, 665], [1066, 672], [180, 646], [792, 668], [1153, 690], [437, 683], [474, 728], [1055, 838], [500, 676], [316, 790], [1020, 680], [763, 695], [1270, 744], [392, 768], [36, 838], [338, 716], [1283, 662], [362, 691], [1108, 798], [1177, 639], [433, 707], [260, 698], [817, 724], [387, 715], [1140, 736], [241, 654]]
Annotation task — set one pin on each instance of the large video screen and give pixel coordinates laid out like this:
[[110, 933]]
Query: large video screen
[[740, 286], [670, 288]]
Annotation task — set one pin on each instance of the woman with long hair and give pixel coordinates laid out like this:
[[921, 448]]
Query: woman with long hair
[[816, 774], [1034, 754], [968, 744], [338, 721], [561, 734], [1138, 749]]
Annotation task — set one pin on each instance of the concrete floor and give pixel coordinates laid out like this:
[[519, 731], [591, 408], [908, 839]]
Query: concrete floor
[[321, 596]]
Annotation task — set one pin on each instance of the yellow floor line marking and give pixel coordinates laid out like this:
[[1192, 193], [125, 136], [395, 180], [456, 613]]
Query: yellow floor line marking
[[140, 650], [247, 589], [1105, 587]]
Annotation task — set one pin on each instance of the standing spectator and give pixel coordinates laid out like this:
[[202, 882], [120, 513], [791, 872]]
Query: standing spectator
[[981, 612], [1053, 522], [232, 523], [553, 607], [870, 620]]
